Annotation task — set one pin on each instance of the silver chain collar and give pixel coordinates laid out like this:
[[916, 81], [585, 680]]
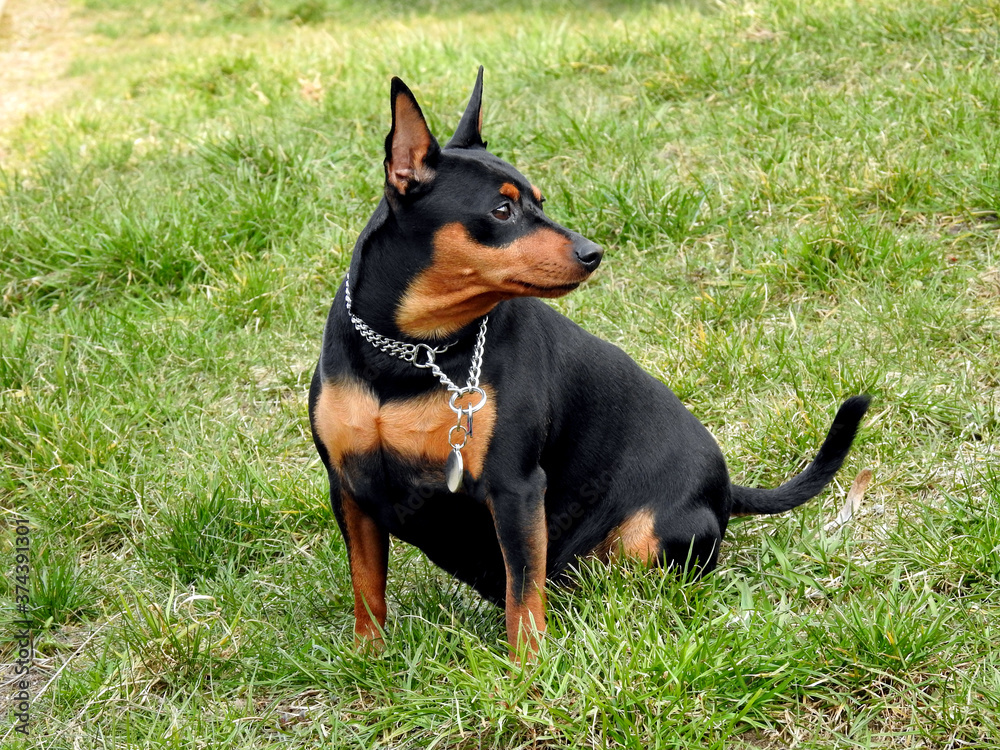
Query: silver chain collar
[[424, 356], [400, 349]]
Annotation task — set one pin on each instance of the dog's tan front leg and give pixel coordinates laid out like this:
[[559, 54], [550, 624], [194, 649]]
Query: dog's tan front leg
[[524, 540], [368, 552]]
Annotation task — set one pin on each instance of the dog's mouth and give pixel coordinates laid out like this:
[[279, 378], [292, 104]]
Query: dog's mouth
[[540, 290]]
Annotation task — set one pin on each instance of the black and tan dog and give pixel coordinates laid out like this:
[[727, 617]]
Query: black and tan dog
[[456, 412]]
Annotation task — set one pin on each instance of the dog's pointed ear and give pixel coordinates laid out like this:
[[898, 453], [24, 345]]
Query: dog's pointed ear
[[469, 133], [410, 150]]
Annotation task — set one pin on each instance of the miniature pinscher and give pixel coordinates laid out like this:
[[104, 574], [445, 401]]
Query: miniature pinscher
[[455, 411]]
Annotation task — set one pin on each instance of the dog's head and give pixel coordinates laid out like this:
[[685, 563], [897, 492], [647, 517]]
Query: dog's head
[[476, 222]]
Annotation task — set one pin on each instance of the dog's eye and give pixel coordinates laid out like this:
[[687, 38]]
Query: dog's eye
[[501, 212]]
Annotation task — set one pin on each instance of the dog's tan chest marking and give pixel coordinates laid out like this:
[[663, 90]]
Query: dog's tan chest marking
[[350, 421], [466, 279]]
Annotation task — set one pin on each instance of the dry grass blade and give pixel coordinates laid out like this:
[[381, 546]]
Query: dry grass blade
[[853, 501]]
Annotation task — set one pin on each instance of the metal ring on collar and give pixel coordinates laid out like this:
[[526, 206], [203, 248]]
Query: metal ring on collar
[[431, 356], [471, 408], [465, 437]]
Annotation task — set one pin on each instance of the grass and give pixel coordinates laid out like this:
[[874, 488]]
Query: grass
[[799, 200]]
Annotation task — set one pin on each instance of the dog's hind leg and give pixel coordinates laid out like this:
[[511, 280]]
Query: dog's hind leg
[[690, 542], [635, 539]]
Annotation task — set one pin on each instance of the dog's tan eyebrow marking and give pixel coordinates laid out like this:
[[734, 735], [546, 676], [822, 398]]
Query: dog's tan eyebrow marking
[[537, 193], [510, 191]]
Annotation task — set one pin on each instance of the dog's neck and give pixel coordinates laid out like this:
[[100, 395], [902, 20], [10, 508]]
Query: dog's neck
[[381, 273], [396, 361]]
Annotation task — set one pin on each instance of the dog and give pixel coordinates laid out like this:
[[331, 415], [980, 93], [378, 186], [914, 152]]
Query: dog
[[457, 412]]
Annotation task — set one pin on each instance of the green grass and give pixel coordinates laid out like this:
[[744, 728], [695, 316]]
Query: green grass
[[800, 200]]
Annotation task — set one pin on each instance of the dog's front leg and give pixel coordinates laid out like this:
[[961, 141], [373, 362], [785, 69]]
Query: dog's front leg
[[523, 534], [368, 553]]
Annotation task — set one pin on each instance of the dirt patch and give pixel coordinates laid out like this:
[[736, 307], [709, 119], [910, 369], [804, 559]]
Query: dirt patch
[[38, 39]]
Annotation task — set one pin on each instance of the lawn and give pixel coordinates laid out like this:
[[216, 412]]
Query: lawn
[[799, 199]]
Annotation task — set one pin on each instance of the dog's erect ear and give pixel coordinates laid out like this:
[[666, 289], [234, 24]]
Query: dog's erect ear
[[469, 133], [410, 150]]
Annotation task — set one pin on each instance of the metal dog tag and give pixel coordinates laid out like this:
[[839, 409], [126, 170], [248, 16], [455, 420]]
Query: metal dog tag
[[453, 470]]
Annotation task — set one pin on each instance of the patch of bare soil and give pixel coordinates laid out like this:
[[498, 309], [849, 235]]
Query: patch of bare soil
[[38, 39]]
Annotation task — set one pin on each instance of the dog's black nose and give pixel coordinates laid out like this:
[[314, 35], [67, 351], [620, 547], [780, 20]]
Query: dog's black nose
[[588, 253]]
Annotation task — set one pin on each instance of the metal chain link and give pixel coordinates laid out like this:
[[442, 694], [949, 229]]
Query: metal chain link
[[411, 352]]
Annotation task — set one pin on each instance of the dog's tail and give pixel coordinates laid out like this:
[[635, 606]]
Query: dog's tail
[[810, 482]]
